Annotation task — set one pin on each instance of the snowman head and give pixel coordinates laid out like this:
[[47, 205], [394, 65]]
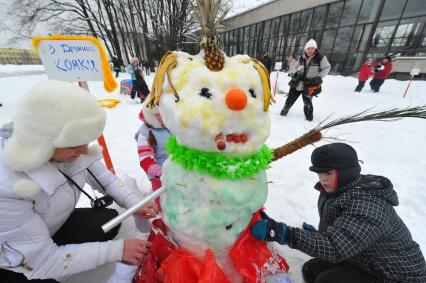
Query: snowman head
[[216, 111]]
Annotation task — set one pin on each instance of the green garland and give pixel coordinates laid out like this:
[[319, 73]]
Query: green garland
[[219, 165]]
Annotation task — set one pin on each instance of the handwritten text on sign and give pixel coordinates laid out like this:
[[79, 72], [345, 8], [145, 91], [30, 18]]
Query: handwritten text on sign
[[71, 60]]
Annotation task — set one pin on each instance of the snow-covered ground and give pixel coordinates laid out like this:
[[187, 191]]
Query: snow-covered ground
[[10, 70], [396, 150]]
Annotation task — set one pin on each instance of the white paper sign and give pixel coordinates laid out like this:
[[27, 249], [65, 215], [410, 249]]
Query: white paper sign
[[71, 60], [415, 72], [278, 66]]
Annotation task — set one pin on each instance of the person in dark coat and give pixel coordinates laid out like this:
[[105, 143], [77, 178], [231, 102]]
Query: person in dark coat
[[383, 70], [266, 61], [310, 70], [117, 63], [365, 71], [141, 88], [360, 237]]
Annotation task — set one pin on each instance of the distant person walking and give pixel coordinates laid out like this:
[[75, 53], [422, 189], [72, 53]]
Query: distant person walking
[[117, 63], [266, 61], [146, 67], [311, 68], [383, 70], [365, 71], [132, 68]]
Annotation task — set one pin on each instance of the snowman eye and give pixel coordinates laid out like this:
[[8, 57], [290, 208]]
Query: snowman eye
[[252, 93], [205, 93]]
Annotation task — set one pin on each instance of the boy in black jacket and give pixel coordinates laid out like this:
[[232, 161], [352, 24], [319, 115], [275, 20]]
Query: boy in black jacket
[[360, 237]]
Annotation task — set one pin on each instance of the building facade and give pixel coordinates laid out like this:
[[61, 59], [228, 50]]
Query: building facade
[[347, 31], [19, 57]]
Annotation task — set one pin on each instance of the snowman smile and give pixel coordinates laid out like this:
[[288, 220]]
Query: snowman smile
[[221, 140]]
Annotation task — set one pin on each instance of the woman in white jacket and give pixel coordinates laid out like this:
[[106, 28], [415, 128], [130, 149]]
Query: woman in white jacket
[[44, 165]]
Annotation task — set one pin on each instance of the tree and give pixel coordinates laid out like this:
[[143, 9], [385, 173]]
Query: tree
[[142, 28]]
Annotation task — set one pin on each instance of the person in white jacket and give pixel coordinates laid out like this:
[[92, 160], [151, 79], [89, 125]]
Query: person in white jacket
[[45, 161]]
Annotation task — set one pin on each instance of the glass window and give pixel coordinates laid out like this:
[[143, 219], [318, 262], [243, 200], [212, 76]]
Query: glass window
[[241, 40], [368, 11], [333, 16], [350, 12], [408, 32], [253, 32], [328, 40], [259, 31], [383, 34], [354, 61], [355, 39], [318, 18], [305, 20], [267, 29], [343, 39], [275, 26], [392, 9], [316, 35], [364, 39], [284, 25], [337, 60], [415, 8], [301, 41], [279, 51], [291, 41], [294, 22]]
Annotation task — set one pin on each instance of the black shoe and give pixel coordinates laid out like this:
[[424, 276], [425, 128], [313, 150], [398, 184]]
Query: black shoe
[[284, 112], [309, 117]]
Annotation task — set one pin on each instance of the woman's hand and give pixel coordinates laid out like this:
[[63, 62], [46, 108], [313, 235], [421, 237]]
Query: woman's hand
[[134, 251], [150, 210]]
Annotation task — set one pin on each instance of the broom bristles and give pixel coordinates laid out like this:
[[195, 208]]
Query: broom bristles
[[315, 135]]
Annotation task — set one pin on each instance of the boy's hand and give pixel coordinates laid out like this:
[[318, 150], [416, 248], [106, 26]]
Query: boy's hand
[[269, 230], [308, 227]]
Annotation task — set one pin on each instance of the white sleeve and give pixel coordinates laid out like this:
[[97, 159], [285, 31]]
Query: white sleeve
[[45, 259], [123, 273], [123, 195]]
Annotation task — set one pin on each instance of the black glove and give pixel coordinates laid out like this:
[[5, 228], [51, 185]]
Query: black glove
[[315, 81]]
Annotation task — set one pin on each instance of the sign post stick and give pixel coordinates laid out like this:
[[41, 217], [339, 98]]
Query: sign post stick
[[276, 81], [406, 90], [101, 139], [414, 72], [277, 67]]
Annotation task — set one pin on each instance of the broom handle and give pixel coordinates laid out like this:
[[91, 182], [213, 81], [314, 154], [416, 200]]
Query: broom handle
[[120, 218], [302, 141]]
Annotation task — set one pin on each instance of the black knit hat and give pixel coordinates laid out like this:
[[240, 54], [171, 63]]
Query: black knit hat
[[336, 156]]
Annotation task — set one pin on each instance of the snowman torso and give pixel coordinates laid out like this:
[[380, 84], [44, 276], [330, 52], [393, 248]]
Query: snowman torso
[[206, 212]]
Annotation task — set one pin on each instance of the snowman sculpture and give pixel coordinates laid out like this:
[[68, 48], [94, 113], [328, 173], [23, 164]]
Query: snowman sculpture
[[216, 108]]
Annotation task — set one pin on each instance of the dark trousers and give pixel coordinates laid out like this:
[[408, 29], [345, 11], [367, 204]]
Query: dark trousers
[[293, 95], [320, 271], [376, 84], [117, 73], [133, 92], [83, 225], [360, 86]]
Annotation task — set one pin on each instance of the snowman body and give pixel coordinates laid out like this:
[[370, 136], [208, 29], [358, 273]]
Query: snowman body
[[223, 113]]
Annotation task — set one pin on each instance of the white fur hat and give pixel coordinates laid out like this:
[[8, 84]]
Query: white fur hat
[[52, 115], [311, 43]]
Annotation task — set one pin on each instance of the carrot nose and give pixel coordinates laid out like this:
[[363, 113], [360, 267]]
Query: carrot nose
[[236, 99]]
